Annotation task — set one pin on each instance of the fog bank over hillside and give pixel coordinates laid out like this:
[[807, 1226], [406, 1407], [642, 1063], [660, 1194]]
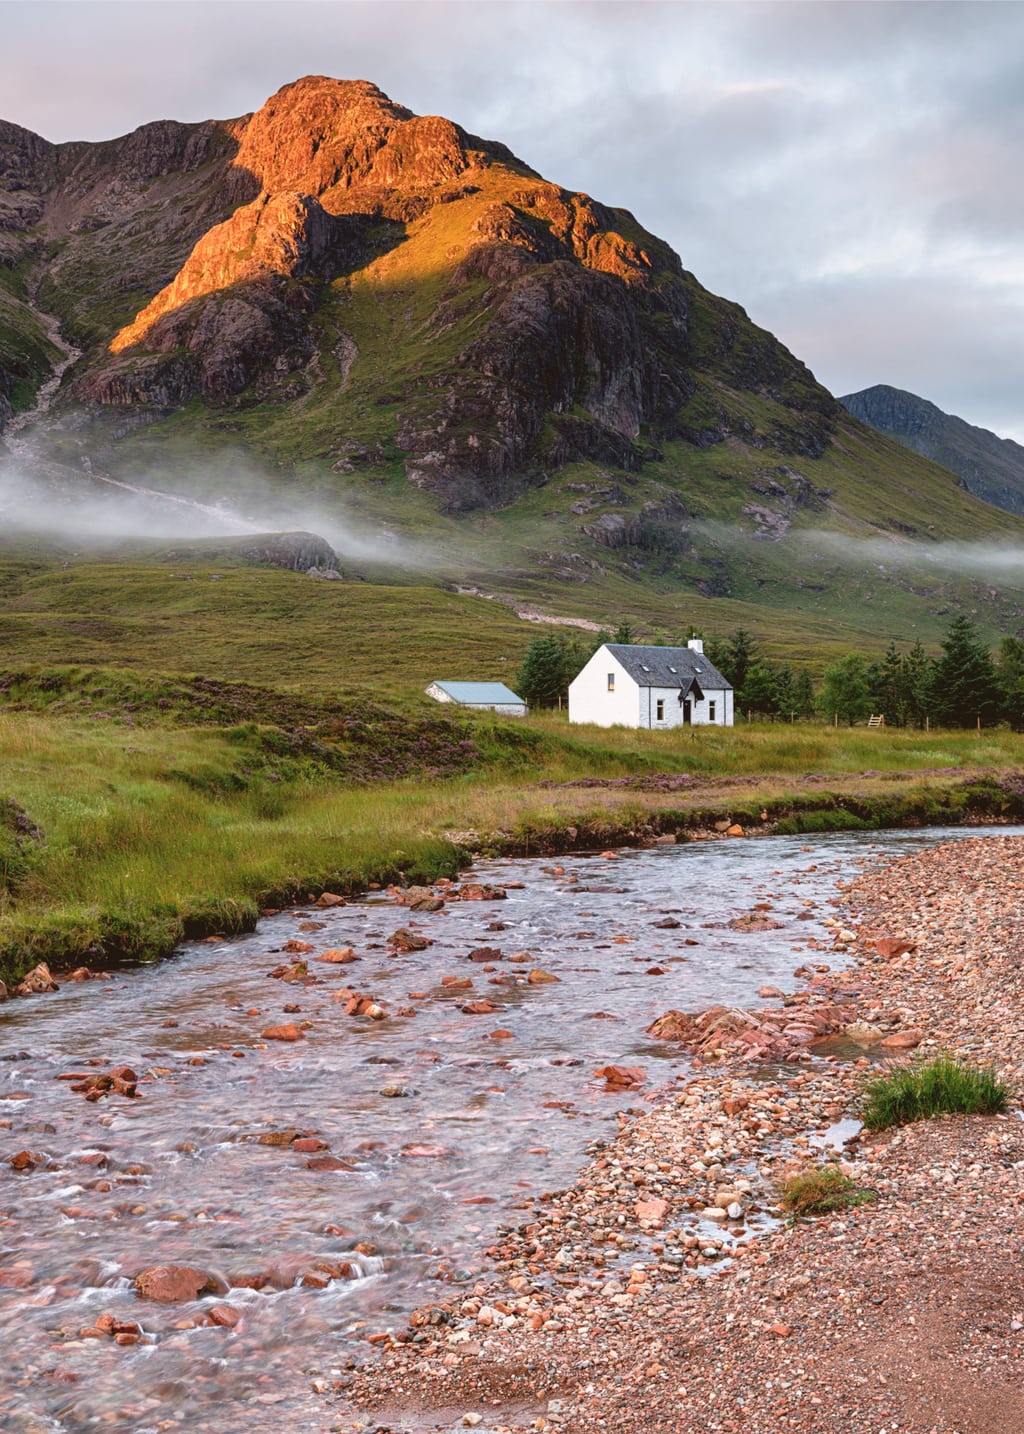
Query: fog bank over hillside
[[98, 510]]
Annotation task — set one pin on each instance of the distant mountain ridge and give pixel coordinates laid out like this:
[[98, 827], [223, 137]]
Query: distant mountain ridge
[[990, 467]]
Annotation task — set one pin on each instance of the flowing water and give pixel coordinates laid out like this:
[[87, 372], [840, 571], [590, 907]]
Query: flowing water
[[437, 1124]]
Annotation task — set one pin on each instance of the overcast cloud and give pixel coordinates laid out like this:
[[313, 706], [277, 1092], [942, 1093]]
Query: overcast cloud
[[848, 172]]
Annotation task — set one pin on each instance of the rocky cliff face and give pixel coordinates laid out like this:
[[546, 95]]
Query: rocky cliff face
[[419, 291], [990, 467]]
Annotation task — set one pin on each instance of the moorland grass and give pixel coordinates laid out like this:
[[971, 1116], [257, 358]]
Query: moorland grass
[[926, 1087]]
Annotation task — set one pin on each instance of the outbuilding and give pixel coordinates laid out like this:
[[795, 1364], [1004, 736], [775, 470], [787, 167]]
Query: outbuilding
[[487, 696], [629, 685]]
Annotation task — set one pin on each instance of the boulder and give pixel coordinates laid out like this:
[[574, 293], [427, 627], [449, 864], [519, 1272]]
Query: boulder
[[174, 1284], [37, 981]]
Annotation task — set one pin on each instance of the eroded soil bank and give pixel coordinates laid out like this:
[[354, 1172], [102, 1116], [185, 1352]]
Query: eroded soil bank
[[608, 1308]]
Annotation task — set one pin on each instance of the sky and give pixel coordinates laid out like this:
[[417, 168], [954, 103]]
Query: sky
[[848, 172]]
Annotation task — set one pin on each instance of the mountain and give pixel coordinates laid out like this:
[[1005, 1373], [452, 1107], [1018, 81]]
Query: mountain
[[351, 317], [990, 467]]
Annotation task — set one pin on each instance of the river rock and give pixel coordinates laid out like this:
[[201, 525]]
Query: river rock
[[338, 956], [671, 1026], [477, 891], [892, 946], [288, 1032], [902, 1040], [174, 1284], [36, 982], [330, 898], [538, 977], [621, 1077], [405, 940], [754, 921]]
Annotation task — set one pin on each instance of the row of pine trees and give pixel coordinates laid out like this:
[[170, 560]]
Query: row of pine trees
[[961, 687]]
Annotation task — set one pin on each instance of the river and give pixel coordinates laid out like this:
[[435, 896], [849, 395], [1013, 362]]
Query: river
[[418, 1133]]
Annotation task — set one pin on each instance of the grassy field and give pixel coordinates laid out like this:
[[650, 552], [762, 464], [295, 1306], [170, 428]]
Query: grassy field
[[135, 810]]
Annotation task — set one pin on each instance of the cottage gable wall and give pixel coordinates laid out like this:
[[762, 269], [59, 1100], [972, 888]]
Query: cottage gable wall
[[590, 699]]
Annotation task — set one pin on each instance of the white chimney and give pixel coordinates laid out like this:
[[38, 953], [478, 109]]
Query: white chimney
[[696, 644]]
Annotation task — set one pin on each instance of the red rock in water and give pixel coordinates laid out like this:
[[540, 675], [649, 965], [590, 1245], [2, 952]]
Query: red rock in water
[[483, 954], [276, 1138], [308, 1144], [651, 1212], [327, 1162], [339, 956], [16, 1277], [37, 981], [174, 1284], [288, 1032], [478, 1008], [224, 1315], [502, 1035], [537, 977], [456, 983], [476, 891], [423, 1152], [754, 921], [301, 948], [672, 1026], [330, 898], [26, 1160], [735, 830], [364, 1006], [405, 940], [621, 1077]]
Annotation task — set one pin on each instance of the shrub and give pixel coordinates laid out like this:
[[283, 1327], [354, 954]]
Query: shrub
[[820, 1191], [923, 1088]]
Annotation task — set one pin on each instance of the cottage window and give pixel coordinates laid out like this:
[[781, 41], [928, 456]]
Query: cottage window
[[711, 711], [661, 709], [611, 682]]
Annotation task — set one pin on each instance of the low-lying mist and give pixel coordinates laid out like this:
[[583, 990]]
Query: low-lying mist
[[995, 560], [95, 510]]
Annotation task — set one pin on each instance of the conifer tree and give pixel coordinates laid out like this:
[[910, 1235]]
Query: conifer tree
[[964, 686], [1010, 675]]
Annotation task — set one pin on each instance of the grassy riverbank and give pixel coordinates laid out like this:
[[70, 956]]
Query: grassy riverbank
[[137, 809]]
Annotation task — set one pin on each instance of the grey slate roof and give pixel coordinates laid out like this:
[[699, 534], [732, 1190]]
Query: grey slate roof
[[667, 666], [476, 692]]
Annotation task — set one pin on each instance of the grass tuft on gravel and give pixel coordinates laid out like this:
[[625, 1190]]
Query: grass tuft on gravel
[[921, 1089], [820, 1191]]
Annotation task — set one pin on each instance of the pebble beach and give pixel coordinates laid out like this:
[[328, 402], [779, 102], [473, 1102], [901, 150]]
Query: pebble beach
[[665, 1289]]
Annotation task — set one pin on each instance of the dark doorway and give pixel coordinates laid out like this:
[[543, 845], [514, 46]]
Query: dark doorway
[[687, 712]]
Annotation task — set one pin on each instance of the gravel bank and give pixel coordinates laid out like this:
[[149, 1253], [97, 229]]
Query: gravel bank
[[621, 1305]]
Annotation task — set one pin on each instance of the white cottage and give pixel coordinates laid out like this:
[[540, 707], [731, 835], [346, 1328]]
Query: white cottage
[[488, 696], [631, 686]]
